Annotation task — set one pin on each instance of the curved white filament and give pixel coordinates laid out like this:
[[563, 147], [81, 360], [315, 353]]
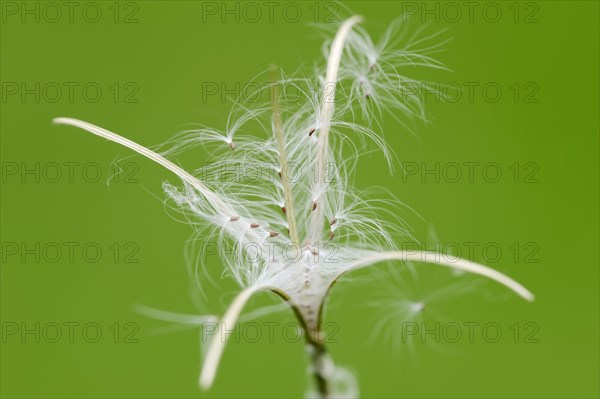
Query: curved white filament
[[217, 344], [327, 107], [185, 176], [440, 259]]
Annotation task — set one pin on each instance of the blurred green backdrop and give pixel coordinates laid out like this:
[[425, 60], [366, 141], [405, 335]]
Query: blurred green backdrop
[[157, 65]]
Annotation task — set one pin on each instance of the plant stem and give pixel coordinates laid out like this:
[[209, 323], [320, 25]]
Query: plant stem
[[321, 368]]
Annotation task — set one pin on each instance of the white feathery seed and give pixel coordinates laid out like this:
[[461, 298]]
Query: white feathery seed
[[298, 210]]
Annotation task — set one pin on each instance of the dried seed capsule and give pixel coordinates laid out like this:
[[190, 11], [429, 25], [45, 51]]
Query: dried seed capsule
[[234, 218], [333, 221], [254, 225], [273, 234]]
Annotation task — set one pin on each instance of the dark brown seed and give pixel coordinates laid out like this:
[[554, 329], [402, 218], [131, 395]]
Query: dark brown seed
[[314, 205], [273, 234], [333, 221], [331, 235], [254, 225], [234, 218], [283, 209], [311, 131], [280, 175]]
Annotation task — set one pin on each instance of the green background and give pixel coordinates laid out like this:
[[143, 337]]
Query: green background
[[169, 53]]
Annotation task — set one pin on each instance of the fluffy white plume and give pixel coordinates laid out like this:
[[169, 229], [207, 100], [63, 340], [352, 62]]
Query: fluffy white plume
[[284, 191]]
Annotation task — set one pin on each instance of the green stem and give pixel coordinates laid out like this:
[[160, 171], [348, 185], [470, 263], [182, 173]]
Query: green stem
[[320, 363]]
